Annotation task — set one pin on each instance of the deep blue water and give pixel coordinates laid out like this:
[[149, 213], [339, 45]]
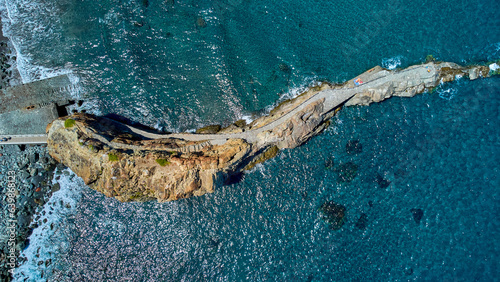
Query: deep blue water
[[154, 64]]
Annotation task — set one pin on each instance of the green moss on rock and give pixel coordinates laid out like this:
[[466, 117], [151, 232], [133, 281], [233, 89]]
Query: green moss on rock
[[162, 162], [69, 123], [209, 129], [269, 153], [112, 157]]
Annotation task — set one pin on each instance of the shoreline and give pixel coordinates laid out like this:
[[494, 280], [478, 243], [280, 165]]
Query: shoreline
[[26, 179]]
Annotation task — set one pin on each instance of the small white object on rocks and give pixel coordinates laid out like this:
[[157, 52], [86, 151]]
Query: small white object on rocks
[[494, 66]]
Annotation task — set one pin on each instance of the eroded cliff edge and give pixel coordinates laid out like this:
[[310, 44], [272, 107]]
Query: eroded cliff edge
[[135, 165]]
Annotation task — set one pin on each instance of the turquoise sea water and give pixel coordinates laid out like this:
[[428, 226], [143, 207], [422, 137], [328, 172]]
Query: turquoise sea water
[[162, 66]]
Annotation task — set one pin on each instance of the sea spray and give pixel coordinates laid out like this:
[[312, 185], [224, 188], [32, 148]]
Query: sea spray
[[48, 239], [392, 63]]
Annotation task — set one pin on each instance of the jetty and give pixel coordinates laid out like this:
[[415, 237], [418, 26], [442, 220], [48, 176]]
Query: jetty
[[27, 109], [133, 164]]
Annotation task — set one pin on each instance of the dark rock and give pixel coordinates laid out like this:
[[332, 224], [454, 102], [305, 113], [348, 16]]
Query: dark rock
[[347, 172], [417, 215], [23, 174], [214, 243], [354, 147], [400, 173], [408, 271], [333, 214], [240, 123], [362, 222], [37, 180], [285, 68], [145, 3], [329, 163], [23, 163], [55, 187], [201, 22], [370, 203], [382, 182], [209, 129]]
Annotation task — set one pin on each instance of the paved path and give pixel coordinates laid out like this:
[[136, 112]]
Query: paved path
[[24, 139], [333, 98]]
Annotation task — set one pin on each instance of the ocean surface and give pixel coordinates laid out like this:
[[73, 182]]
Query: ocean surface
[[177, 65]]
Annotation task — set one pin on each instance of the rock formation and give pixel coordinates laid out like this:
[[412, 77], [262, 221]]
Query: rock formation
[[130, 164]]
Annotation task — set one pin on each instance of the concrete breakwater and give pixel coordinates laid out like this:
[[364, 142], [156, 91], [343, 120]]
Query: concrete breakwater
[[131, 164]]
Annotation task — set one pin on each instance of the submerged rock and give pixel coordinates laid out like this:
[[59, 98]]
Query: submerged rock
[[362, 222], [285, 68], [200, 22], [417, 215], [329, 163], [347, 172], [333, 214], [382, 182], [354, 147]]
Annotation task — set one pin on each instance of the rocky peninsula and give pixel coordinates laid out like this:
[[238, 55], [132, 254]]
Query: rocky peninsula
[[132, 164]]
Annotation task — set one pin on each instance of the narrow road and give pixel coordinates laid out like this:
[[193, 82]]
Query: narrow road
[[24, 139], [333, 98]]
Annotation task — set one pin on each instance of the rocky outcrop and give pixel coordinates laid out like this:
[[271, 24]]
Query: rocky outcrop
[[133, 165], [145, 173]]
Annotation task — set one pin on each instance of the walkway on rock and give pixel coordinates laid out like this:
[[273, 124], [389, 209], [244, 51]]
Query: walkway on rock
[[333, 99]]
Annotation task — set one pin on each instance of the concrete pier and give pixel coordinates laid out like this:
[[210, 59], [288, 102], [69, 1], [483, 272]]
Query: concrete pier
[[35, 94], [28, 108]]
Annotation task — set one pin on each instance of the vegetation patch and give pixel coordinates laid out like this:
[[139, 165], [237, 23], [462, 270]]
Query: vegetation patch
[[69, 123], [269, 153], [210, 129], [112, 157], [162, 162], [429, 58]]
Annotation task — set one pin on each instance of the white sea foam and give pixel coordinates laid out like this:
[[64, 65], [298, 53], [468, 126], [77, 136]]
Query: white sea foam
[[294, 92], [38, 21], [447, 94], [247, 118], [392, 63], [45, 242]]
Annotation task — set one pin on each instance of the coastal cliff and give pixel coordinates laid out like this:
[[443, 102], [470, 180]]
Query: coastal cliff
[[131, 164]]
